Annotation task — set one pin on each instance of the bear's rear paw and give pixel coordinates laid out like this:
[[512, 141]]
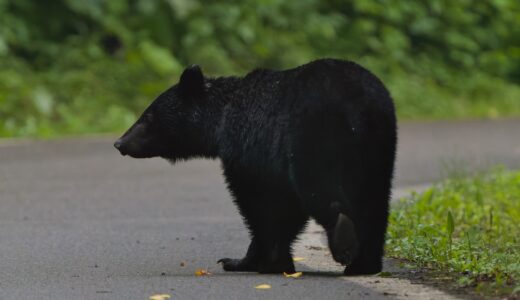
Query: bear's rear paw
[[356, 269], [237, 265], [343, 241]]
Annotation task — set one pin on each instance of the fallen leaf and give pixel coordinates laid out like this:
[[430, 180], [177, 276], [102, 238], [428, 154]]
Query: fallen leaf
[[293, 275], [160, 297], [263, 286], [298, 258], [183, 264], [202, 272]]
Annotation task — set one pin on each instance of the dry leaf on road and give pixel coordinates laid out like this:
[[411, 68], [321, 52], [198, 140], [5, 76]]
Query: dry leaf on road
[[293, 275], [160, 297], [202, 272], [263, 287]]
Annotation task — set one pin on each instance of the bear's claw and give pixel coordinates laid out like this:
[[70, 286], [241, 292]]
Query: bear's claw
[[236, 265], [366, 269]]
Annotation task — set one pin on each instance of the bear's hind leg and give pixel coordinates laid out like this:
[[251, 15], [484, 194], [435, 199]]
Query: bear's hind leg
[[327, 204], [321, 146], [372, 226]]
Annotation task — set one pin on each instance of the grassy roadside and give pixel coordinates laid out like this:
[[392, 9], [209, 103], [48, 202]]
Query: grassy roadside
[[467, 228]]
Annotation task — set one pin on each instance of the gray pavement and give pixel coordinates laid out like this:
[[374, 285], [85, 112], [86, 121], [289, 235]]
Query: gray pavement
[[429, 151], [78, 221]]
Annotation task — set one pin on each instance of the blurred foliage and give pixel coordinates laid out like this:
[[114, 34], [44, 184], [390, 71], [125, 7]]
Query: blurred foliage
[[77, 66]]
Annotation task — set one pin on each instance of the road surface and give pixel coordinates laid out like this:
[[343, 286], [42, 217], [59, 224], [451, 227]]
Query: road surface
[[78, 221]]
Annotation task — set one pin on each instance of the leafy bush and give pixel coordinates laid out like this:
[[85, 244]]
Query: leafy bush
[[71, 66]]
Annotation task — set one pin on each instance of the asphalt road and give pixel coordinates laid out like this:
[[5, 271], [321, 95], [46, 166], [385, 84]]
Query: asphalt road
[[78, 221]]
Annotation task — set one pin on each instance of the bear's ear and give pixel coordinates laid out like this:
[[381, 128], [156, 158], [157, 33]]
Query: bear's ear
[[191, 83]]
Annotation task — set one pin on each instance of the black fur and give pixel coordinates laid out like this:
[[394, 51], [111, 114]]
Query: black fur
[[315, 141]]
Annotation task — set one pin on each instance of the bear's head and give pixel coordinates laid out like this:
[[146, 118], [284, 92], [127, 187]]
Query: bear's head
[[173, 126]]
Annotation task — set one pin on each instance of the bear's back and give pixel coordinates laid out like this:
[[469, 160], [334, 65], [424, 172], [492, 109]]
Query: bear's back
[[263, 111]]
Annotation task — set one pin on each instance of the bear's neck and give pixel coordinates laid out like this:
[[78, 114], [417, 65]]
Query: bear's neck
[[220, 92]]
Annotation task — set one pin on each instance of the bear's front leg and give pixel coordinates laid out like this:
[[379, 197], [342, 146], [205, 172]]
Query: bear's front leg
[[247, 264], [277, 259], [273, 216], [268, 259]]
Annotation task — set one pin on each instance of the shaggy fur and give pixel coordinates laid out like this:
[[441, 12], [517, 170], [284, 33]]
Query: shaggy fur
[[315, 141]]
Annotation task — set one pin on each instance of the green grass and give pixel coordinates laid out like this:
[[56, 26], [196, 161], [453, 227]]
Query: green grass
[[468, 228]]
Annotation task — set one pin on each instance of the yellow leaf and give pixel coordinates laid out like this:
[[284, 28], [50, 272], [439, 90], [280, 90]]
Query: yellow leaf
[[263, 286], [293, 275], [160, 297], [298, 258], [202, 272]]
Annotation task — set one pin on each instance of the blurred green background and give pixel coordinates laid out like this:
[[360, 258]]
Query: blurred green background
[[90, 66]]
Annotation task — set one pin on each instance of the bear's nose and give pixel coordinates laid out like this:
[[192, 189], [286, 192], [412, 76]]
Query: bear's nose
[[118, 145]]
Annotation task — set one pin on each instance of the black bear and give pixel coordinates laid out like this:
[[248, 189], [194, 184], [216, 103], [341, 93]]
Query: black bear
[[315, 141]]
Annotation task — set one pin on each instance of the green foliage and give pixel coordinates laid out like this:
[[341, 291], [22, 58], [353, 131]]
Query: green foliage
[[465, 226], [71, 66]]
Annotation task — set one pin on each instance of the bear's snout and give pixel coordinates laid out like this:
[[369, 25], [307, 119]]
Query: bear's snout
[[119, 146]]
